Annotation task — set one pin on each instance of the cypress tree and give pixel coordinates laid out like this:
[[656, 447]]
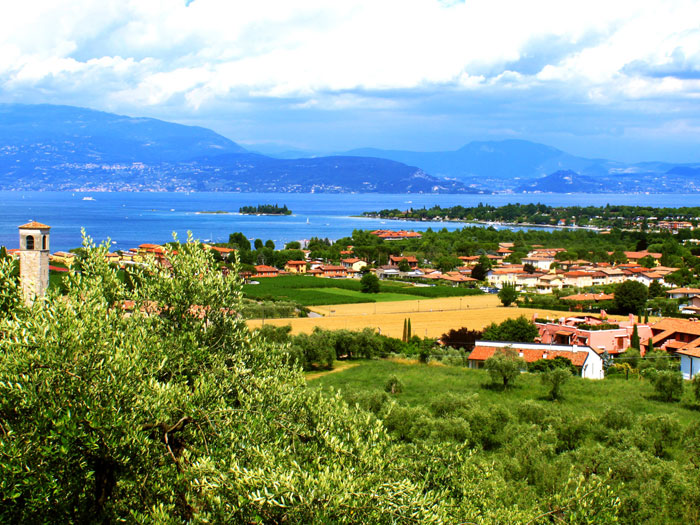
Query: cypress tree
[[634, 340], [408, 329], [403, 337]]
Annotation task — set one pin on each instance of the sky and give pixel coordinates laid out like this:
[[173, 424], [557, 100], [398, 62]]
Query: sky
[[615, 78]]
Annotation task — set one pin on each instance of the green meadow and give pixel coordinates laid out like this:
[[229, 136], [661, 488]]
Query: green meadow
[[647, 450], [315, 291]]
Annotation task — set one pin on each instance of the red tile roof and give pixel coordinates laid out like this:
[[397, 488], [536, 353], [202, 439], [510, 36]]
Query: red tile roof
[[482, 353], [33, 225]]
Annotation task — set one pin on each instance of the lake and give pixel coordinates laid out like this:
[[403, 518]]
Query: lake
[[130, 219]]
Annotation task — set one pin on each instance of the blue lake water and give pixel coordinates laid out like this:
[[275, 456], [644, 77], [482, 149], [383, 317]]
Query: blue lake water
[[130, 219]]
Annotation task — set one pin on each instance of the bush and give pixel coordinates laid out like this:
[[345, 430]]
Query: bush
[[369, 283], [555, 379], [393, 385], [545, 365], [695, 385], [668, 384]]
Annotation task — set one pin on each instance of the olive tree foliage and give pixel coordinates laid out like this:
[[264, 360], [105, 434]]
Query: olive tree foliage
[[668, 384], [555, 379], [10, 291], [504, 366], [154, 404], [166, 409]]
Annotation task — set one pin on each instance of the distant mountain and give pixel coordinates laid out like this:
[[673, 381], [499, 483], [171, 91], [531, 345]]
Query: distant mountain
[[563, 181], [520, 165], [44, 147], [82, 135], [489, 162], [677, 180]]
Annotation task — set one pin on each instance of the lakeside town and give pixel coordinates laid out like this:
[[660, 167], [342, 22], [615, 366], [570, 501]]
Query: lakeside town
[[586, 335]]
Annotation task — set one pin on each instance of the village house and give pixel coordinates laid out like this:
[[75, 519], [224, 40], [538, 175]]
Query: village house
[[598, 333], [332, 271], [692, 306], [635, 257], [548, 282], [353, 263], [613, 275], [673, 335], [682, 293], [498, 277], [586, 360], [578, 279], [389, 235], [66, 258], [295, 266], [690, 362], [262, 270], [540, 262], [646, 278], [395, 260]]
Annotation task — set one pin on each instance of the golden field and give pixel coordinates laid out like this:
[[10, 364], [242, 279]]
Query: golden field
[[429, 317]]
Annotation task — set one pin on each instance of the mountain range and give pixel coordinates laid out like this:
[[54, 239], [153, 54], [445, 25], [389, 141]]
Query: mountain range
[[47, 147], [523, 166]]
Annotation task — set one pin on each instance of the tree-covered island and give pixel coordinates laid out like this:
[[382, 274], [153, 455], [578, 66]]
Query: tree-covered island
[[265, 209], [609, 216]]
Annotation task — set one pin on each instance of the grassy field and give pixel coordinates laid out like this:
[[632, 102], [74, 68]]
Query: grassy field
[[314, 291], [422, 383], [429, 317]]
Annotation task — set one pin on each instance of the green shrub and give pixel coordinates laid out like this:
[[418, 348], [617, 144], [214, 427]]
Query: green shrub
[[668, 384], [555, 379], [393, 385]]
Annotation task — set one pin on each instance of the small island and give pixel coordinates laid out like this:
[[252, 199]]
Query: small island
[[265, 209]]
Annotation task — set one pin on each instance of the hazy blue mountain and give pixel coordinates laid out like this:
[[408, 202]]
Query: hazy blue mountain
[[82, 135], [507, 159], [45, 147], [680, 179]]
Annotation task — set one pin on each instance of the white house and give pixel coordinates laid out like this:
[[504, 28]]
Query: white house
[[586, 360], [690, 362]]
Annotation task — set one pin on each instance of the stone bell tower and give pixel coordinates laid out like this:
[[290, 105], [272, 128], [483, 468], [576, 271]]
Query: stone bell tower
[[34, 260]]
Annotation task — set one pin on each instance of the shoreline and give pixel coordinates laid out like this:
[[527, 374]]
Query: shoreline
[[486, 223]]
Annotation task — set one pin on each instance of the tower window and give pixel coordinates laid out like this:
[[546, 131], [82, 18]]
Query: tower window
[[43, 242], [30, 242]]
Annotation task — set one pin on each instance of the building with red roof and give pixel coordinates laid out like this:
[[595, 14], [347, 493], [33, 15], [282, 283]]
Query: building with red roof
[[586, 360]]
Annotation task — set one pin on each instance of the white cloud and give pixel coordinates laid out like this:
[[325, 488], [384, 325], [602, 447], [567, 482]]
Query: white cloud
[[135, 54]]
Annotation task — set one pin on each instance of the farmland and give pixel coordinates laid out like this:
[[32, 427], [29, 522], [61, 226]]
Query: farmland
[[429, 317], [312, 291]]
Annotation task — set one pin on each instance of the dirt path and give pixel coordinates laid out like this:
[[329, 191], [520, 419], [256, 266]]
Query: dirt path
[[339, 367]]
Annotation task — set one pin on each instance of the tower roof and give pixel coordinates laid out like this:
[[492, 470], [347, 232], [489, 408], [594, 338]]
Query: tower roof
[[34, 226]]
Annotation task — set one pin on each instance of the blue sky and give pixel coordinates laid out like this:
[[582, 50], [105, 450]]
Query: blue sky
[[617, 79]]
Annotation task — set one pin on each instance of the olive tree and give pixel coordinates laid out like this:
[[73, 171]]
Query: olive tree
[[504, 366], [157, 405], [555, 379]]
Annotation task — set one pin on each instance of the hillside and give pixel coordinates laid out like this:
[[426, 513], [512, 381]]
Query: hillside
[[45, 147]]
